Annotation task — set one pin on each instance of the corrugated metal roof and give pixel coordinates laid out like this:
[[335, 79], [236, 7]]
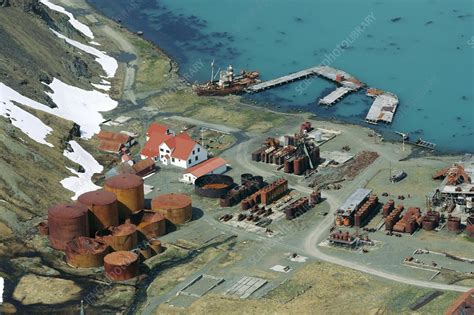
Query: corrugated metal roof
[[206, 167], [110, 146], [113, 136]]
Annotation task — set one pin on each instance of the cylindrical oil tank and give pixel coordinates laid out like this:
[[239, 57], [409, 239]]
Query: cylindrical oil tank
[[156, 246], [103, 207], [120, 266], [213, 185], [454, 224], [129, 191], [150, 224], [244, 178], [428, 225], [225, 201], [258, 179], [347, 221], [288, 168], [66, 222], [120, 238], [176, 208], [85, 252], [297, 166]]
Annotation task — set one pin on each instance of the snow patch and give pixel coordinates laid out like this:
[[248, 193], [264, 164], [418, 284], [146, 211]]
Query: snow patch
[[82, 182], [94, 43], [81, 27], [81, 106], [108, 63], [28, 123]]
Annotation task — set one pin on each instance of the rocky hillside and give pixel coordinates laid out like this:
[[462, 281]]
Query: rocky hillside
[[31, 57]]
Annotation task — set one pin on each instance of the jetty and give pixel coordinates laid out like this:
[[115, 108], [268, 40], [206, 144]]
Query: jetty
[[383, 108], [335, 95]]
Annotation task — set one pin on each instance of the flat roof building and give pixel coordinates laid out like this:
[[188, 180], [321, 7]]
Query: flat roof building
[[353, 202]]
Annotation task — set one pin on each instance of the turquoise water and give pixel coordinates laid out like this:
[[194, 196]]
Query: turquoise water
[[421, 50]]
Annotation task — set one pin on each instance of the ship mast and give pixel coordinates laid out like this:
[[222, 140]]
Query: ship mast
[[212, 70]]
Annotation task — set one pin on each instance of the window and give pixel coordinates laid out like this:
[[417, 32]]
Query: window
[[172, 160], [162, 150], [161, 156], [189, 161], [194, 152], [167, 151], [196, 158], [199, 149]]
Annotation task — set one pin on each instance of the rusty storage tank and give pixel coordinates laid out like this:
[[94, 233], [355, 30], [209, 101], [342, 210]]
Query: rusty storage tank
[[454, 224], [119, 238], [288, 168], [226, 201], [66, 222], [85, 252], [176, 208], [213, 185], [150, 224], [258, 180], [121, 265], [428, 224], [347, 221], [103, 207], [129, 191]]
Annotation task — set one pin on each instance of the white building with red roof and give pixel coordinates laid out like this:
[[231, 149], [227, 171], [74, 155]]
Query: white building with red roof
[[179, 150], [215, 165]]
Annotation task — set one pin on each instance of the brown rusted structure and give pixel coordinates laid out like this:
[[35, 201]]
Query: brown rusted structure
[[85, 252], [144, 167], [393, 217], [67, 221], [129, 191], [430, 220], [470, 226], [150, 224], [315, 197], [388, 207], [120, 266], [274, 191], [297, 208], [103, 207], [410, 221], [454, 224], [366, 211], [176, 208], [156, 246], [120, 238], [213, 185], [464, 305]]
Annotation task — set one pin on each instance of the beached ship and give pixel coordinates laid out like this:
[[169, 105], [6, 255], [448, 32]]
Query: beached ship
[[228, 83]]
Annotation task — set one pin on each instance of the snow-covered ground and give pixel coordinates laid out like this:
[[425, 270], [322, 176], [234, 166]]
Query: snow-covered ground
[[109, 64], [28, 123], [104, 87], [81, 106], [82, 182], [84, 29]]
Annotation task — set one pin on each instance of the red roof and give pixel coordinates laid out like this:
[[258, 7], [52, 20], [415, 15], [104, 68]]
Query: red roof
[[113, 136], [110, 146], [156, 128], [181, 146], [206, 167], [151, 148]]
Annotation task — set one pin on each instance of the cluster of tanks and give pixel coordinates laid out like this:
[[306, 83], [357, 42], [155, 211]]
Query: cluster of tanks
[[249, 185], [298, 155], [111, 227], [266, 195]]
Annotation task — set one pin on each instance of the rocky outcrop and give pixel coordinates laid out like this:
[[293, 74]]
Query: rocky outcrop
[[33, 289], [79, 68]]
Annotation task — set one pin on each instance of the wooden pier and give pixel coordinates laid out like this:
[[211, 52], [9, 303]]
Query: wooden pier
[[335, 95]]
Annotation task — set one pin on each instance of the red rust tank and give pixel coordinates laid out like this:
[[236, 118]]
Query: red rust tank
[[454, 224], [121, 265], [120, 238], [129, 191], [103, 207], [297, 166], [149, 224], [66, 222], [176, 208], [85, 252], [288, 168]]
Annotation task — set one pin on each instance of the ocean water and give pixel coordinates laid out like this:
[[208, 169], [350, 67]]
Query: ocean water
[[421, 50]]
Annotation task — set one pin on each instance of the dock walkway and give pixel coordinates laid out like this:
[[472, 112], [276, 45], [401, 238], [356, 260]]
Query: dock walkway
[[383, 108]]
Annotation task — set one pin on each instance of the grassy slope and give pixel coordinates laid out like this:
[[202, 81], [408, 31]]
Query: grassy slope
[[30, 171]]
